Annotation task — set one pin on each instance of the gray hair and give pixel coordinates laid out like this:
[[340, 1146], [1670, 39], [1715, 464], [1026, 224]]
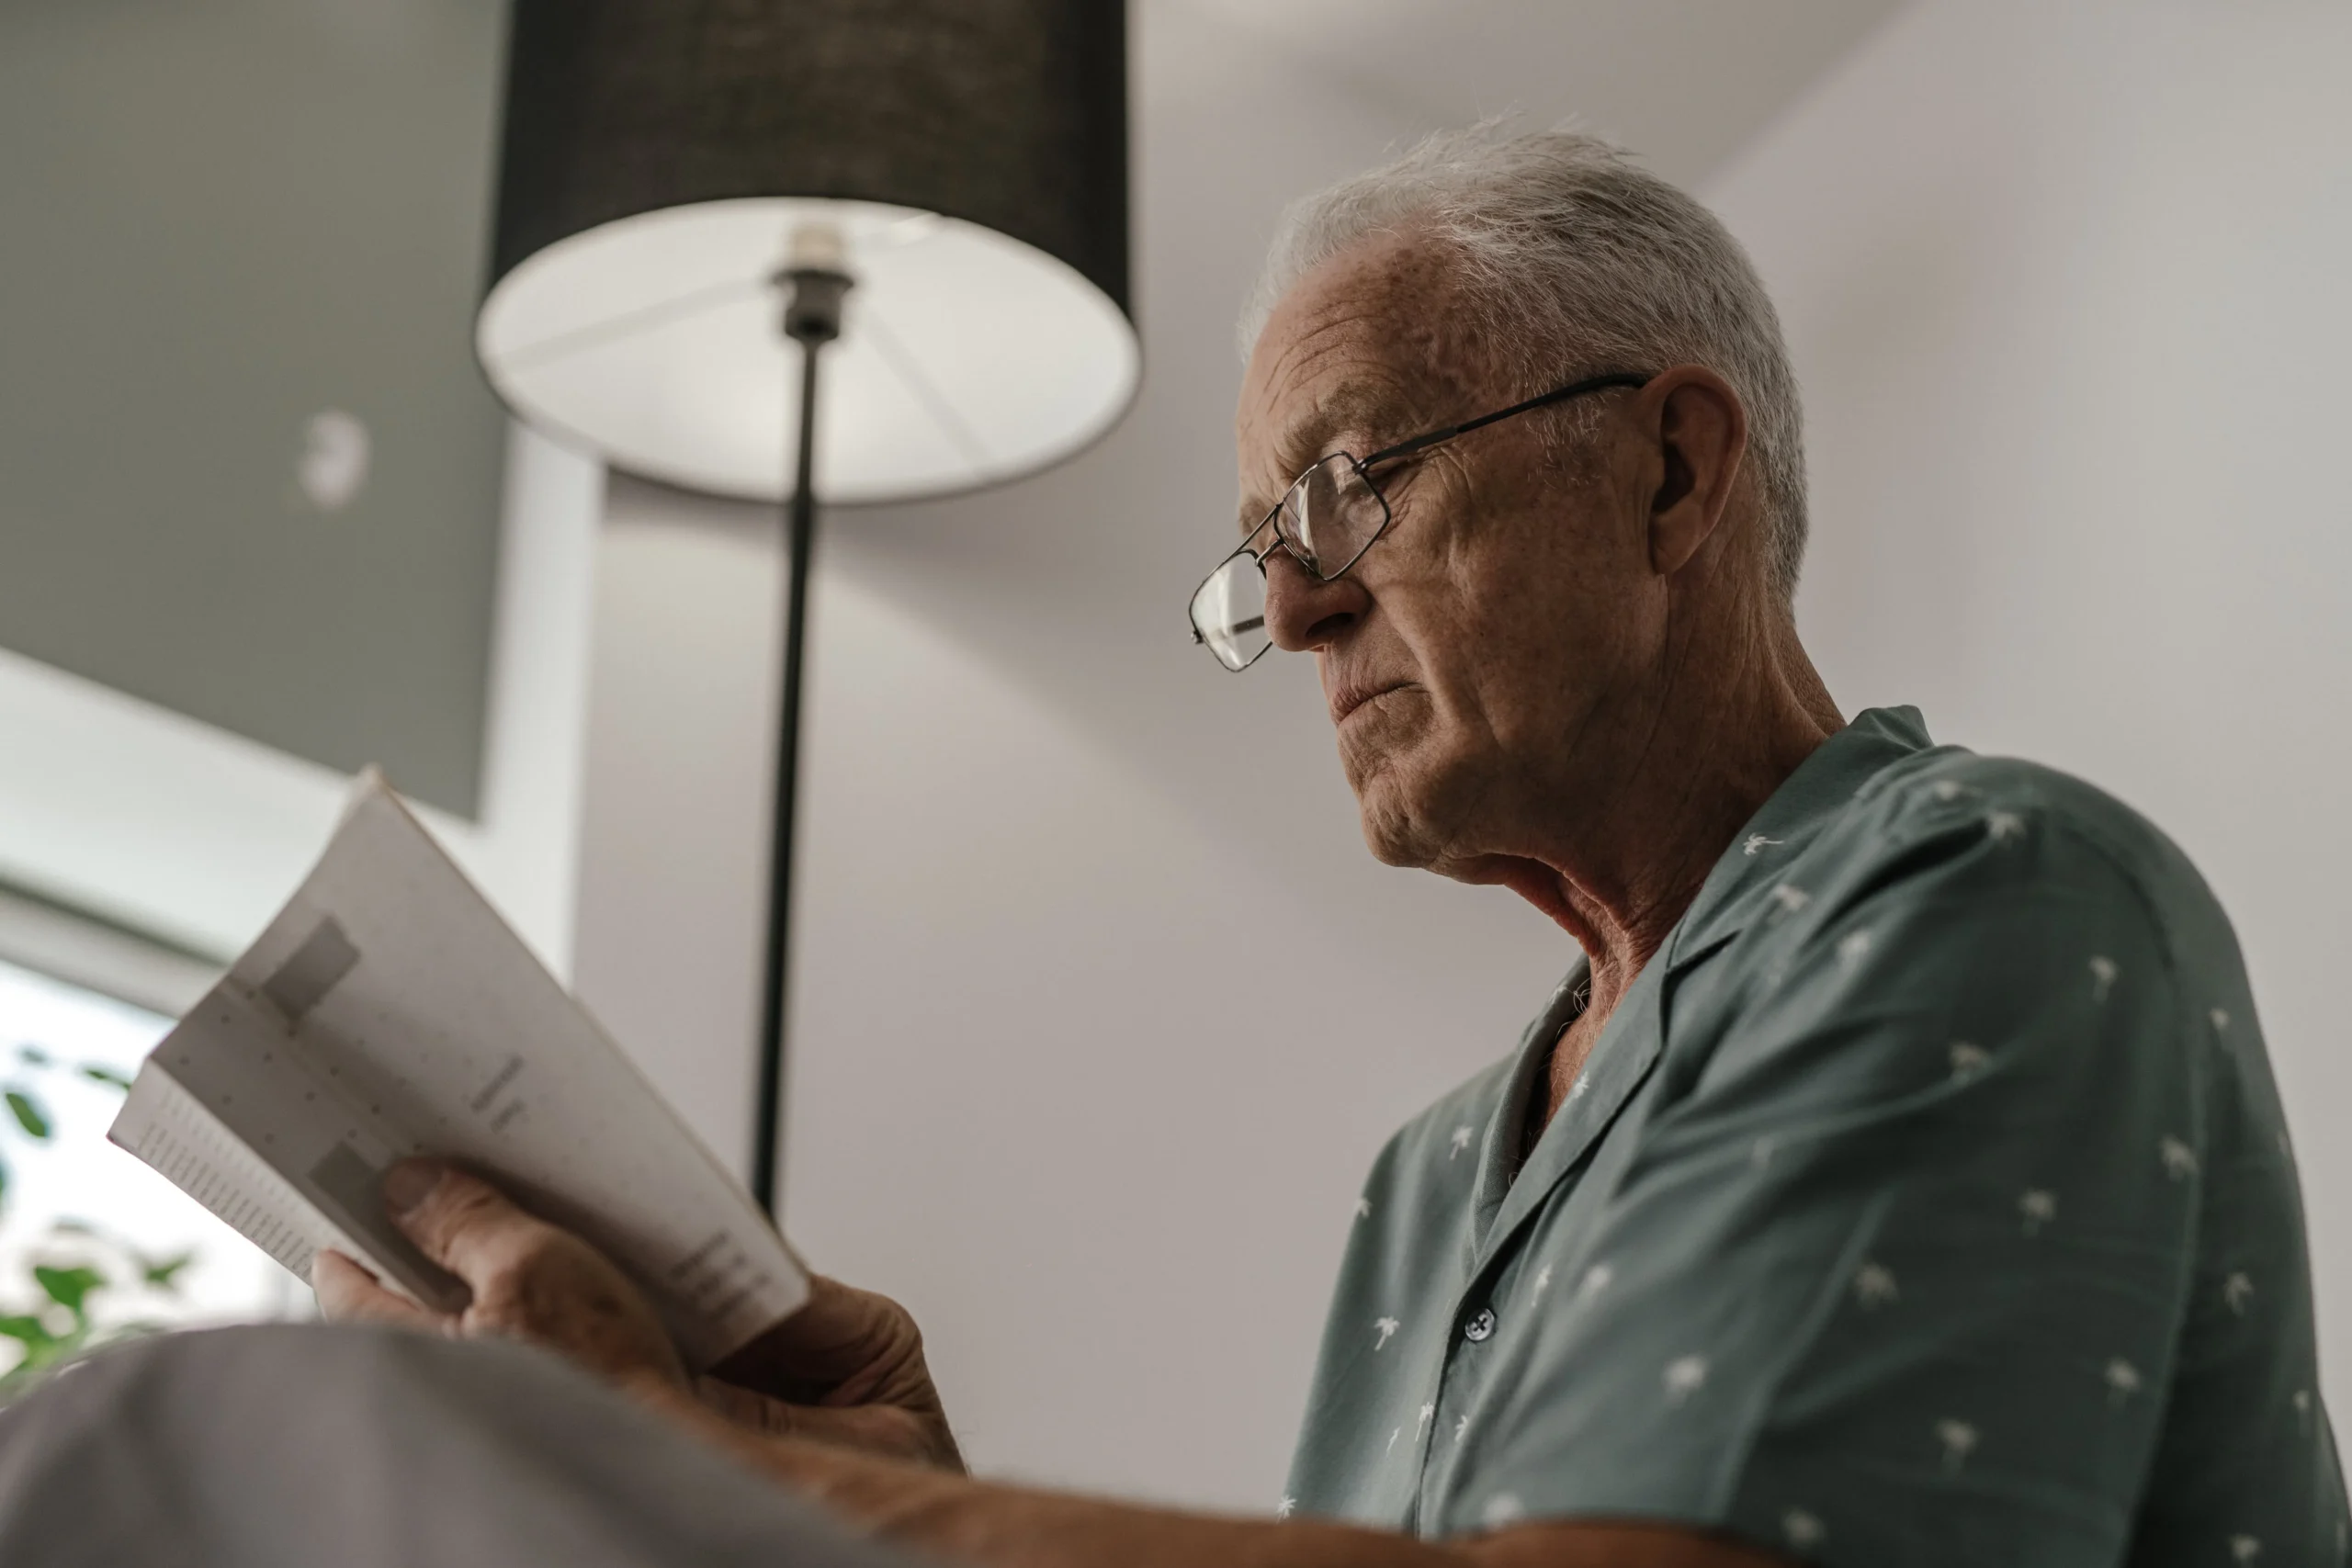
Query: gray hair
[[1574, 259]]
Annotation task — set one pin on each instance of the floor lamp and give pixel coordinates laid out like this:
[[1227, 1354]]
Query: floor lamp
[[927, 198]]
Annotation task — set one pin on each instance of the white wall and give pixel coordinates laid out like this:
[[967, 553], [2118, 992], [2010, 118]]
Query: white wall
[[2067, 288]]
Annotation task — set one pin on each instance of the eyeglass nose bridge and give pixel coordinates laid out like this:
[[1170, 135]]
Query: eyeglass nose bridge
[[1277, 540], [1290, 542]]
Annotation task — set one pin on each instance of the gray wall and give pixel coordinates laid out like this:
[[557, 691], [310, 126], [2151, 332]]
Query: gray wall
[[234, 235]]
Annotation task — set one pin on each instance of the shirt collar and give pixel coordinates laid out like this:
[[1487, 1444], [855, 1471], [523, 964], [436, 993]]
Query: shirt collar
[[1807, 802]]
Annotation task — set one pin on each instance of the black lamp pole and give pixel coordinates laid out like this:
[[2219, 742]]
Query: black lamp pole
[[813, 318], [630, 117]]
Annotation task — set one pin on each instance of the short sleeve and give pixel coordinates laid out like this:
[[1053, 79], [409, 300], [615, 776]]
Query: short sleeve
[[1895, 1273]]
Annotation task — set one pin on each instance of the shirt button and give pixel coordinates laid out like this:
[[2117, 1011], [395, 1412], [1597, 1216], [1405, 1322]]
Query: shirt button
[[1481, 1329]]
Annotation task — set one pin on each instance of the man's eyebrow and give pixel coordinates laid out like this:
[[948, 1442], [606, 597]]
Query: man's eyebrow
[[1357, 406], [1361, 407]]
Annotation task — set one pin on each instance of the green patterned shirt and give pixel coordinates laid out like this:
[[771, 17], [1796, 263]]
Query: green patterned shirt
[[1927, 1200]]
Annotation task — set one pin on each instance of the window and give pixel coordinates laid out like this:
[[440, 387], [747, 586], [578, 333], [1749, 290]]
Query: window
[[91, 1240]]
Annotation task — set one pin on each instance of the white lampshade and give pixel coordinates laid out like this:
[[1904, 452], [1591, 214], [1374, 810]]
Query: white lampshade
[[659, 159], [967, 357]]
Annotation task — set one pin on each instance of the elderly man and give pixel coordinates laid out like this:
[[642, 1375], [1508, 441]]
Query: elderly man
[[1897, 1177]]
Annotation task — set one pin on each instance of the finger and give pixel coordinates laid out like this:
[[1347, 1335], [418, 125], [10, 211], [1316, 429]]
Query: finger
[[348, 1293], [838, 1332], [741, 1405], [869, 1430], [459, 1221]]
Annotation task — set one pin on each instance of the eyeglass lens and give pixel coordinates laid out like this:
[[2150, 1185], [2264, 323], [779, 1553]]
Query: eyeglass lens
[[1329, 517]]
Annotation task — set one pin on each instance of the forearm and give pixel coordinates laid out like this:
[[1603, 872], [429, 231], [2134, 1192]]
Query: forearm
[[952, 1517], [974, 1522]]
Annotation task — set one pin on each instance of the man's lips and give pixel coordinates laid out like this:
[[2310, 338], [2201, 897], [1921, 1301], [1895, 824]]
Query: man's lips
[[1349, 698]]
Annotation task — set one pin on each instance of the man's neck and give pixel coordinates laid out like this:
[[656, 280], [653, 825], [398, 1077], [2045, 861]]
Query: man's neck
[[1619, 875]]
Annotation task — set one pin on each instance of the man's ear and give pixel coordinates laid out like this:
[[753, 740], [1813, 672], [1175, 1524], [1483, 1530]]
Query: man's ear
[[1701, 435]]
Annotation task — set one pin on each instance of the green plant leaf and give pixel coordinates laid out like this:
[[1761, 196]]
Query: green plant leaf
[[98, 1072], [29, 1116], [4, 1182], [33, 1055], [28, 1330], [69, 1287], [164, 1274]]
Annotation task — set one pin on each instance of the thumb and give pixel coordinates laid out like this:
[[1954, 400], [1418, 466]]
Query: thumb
[[839, 1332], [459, 1220], [348, 1293]]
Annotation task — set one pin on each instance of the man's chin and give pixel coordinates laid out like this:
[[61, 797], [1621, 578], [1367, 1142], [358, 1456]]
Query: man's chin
[[1399, 826], [1404, 783]]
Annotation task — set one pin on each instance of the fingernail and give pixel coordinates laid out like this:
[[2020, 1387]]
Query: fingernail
[[409, 1183]]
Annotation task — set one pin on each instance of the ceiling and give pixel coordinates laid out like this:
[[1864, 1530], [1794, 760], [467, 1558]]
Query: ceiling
[[1684, 83]]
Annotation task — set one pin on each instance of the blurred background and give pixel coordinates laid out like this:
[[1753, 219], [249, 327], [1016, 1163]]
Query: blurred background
[[1101, 1011]]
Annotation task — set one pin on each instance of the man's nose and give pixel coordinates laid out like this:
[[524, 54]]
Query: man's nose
[[1302, 612]]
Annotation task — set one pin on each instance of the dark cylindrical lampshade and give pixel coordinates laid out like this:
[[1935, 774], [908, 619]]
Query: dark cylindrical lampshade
[[660, 155]]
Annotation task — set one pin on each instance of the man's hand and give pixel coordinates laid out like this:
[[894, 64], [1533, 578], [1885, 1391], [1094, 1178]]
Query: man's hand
[[530, 1280], [847, 1369]]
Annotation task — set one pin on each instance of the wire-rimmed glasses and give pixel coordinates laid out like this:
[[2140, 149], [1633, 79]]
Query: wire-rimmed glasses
[[1330, 515]]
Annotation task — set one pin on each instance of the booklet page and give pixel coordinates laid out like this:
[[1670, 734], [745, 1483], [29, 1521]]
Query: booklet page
[[387, 1011]]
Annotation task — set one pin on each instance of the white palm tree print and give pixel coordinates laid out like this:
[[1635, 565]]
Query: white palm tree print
[[2123, 1381], [2245, 1549], [1968, 1060], [2040, 1206], [1755, 842], [1874, 1286], [1801, 1530], [2179, 1159], [1386, 1328], [1959, 1440], [1461, 1139], [2003, 826], [2103, 974], [2236, 1290], [1684, 1377]]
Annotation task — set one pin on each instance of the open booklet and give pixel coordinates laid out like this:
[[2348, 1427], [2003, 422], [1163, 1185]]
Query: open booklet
[[388, 1011]]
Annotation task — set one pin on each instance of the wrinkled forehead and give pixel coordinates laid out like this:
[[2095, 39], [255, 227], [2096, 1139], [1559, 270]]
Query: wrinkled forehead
[[1360, 350], [1322, 392]]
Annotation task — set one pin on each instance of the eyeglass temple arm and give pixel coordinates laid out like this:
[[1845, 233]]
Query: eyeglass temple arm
[[1558, 394]]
